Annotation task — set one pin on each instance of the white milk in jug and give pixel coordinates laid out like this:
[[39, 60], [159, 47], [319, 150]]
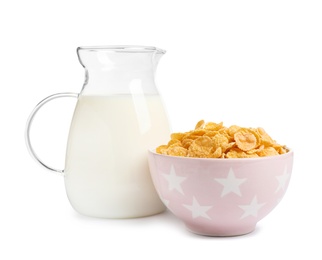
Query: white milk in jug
[[106, 171]]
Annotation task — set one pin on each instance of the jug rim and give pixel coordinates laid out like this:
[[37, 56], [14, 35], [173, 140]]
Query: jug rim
[[122, 48]]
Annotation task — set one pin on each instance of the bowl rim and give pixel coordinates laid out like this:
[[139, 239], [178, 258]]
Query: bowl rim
[[289, 153]]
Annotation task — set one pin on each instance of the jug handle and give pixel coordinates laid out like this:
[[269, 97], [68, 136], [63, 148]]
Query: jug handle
[[29, 123]]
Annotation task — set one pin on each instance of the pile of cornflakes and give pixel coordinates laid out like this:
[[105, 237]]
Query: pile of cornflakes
[[212, 140]]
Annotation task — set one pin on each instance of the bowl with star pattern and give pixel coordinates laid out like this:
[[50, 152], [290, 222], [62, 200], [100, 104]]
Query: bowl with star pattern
[[220, 197]]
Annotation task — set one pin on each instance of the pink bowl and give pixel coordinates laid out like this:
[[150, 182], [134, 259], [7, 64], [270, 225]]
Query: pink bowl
[[220, 197]]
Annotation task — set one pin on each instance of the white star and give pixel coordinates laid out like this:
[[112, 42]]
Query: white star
[[174, 180], [198, 210], [252, 208], [282, 180], [231, 183]]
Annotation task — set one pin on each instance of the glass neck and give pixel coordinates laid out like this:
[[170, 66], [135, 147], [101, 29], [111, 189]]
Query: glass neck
[[116, 71]]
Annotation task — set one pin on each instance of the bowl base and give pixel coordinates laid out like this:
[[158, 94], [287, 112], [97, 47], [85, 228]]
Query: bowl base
[[220, 231]]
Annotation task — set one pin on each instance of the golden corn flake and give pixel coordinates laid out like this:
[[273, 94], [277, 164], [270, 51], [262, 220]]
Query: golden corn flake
[[268, 151], [246, 139], [212, 140], [200, 124], [202, 147], [177, 151], [237, 153]]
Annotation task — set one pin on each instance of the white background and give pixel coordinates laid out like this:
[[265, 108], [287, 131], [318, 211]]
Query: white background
[[253, 63]]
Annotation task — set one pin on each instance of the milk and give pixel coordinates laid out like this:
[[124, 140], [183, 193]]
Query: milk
[[106, 171]]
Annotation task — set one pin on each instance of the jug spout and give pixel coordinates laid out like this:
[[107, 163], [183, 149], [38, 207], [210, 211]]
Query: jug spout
[[157, 56]]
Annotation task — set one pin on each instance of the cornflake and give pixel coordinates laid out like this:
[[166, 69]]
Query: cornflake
[[214, 140]]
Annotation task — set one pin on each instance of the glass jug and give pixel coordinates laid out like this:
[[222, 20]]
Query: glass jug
[[118, 116]]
